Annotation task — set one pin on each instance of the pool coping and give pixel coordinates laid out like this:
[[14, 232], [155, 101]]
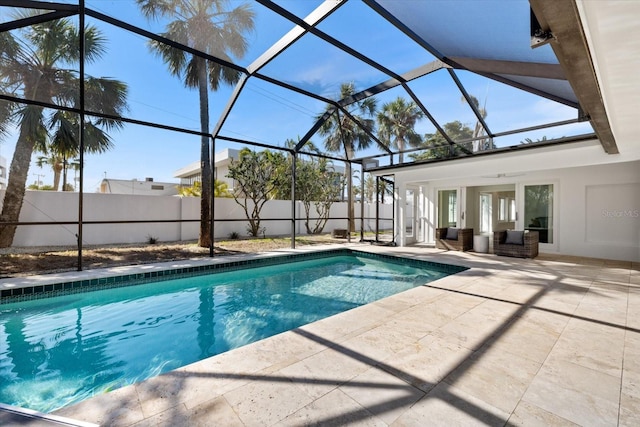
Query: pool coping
[[13, 290]]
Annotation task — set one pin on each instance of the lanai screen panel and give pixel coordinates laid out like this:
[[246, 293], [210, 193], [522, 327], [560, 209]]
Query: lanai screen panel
[[484, 36]]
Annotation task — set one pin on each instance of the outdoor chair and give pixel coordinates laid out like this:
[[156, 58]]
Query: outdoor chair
[[454, 239], [521, 244]]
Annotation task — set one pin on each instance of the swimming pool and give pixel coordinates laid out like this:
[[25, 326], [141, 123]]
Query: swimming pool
[[61, 350]]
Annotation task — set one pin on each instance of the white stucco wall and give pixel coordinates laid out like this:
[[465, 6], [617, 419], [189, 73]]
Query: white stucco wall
[[49, 206], [597, 206]]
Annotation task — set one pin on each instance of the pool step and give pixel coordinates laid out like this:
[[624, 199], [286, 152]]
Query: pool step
[[11, 416]]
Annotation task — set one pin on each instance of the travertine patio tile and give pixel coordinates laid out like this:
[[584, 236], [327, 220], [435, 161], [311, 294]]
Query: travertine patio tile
[[633, 317], [529, 415], [290, 346], [614, 277], [428, 361], [631, 383], [493, 289], [576, 393], [629, 410], [264, 403], [382, 394], [319, 374], [176, 415], [448, 406], [604, 305], [475, 327], [549, 322], [378, 344], [496, 376], [410, 323], [615, 264], [591, 345], [349, 323], [562, 298], [162, 393], [521, 293], [631, 352], [214, 412], [574, 273], [444, 310], [410, 298], [526, 339], [612, 287], [333, 409], [119, 407]]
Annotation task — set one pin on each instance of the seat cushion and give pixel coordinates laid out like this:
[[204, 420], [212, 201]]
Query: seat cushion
[[452, 234], [514, 237]]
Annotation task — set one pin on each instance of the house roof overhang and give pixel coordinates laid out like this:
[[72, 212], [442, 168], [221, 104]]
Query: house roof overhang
[[569, 43]]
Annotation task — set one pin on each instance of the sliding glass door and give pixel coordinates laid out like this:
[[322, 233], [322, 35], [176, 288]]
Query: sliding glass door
[[538, 210], [447, 208]]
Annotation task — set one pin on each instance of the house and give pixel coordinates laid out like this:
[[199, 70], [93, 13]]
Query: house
[[192, 173], [148, 187], [583, 197]]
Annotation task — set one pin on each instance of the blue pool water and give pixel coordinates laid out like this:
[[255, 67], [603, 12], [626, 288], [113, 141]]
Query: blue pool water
[[61, 350]]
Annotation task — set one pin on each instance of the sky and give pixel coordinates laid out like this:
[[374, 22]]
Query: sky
[[268, 114]]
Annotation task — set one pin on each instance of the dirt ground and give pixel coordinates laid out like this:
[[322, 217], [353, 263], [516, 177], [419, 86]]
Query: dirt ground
[[17, 262]]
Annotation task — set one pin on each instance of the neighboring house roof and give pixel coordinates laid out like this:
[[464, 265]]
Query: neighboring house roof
[[148, 187]]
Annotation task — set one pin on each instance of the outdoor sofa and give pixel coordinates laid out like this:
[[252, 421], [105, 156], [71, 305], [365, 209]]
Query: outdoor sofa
[[454, 239], [521, 244]]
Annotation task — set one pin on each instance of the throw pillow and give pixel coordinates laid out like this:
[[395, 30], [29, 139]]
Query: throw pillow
[[514, 237], [452, 234]]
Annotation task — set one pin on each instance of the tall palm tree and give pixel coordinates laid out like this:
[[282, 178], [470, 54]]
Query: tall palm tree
[[37, 63], [56, 164], [396, 125], [209, 26], [479, 130], [343, 135]]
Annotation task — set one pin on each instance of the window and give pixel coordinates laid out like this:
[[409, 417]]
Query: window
[[538, 210], [506, 209], [447, 208]]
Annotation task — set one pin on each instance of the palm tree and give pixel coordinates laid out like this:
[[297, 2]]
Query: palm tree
[[396, 125], [479, 130], [211, 27], [33, 65], [56, 163], [344, 135], [220, 189]]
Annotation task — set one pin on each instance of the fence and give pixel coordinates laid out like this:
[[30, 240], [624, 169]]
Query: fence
[[178, 218]]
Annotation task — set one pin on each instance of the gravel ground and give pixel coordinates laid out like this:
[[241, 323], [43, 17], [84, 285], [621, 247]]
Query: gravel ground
[[16, 262]]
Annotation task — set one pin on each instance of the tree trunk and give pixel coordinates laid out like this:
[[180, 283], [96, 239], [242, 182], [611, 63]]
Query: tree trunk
[[18, 173], [205, 158], [350, 201], [57, 170], [56, 177]]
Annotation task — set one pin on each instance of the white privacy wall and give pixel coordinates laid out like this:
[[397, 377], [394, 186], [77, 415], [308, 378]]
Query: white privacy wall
[[600, 211], [48, 206], [598, 207]]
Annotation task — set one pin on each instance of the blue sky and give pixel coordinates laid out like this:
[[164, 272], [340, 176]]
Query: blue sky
[[267, 113]]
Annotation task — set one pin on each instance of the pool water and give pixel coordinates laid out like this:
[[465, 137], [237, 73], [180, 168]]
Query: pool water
[[62, 350]]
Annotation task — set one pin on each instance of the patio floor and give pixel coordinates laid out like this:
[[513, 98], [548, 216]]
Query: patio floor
[[550, 341]]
